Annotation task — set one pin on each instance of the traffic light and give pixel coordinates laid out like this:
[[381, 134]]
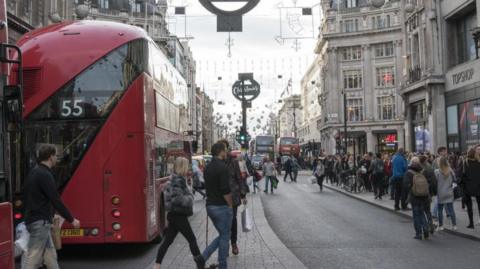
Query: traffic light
[[243, 138]]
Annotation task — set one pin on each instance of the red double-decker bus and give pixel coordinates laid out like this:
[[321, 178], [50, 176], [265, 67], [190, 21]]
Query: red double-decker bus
[[110, 101], [288, 146]]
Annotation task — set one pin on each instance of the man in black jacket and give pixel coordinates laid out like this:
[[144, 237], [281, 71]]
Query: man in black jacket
[[41, 201], [219, 203]]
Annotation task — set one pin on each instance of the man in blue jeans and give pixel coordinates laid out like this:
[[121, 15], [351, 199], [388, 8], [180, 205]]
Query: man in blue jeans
[[219, 203]]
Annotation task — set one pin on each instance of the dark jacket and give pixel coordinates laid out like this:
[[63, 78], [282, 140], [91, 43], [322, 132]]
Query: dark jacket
[[471, 178], [429, 173], [238, 186], [217, 182], [178, 198], [288, 166], [408, 183], [41, 196]]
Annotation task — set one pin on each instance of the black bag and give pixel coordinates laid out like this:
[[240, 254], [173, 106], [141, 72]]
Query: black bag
[[458, 192]]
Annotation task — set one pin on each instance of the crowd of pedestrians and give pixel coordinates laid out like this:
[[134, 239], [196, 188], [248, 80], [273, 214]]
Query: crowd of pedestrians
[[429, 183]]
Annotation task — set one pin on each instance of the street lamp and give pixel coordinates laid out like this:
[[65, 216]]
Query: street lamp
[[345, 120]]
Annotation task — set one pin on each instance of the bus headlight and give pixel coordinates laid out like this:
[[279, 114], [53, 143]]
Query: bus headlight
[[116, 226]]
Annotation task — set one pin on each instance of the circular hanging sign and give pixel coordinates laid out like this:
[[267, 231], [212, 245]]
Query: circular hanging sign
[[249, 91], [239, 12]]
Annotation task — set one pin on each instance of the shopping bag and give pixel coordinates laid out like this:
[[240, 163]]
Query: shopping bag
[[275, 182], [22, 237], [56, 228], [313, 180], [246, 220]]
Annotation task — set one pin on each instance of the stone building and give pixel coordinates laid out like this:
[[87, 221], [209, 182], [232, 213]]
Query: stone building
[[460, 21], [361, 56], [208, 125], [311, 88], [290, 116]]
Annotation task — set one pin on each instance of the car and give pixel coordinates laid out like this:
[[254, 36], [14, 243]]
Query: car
[[257, 161]]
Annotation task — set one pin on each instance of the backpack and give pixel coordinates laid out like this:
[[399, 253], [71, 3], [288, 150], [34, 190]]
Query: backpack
[[419, 185], [378, 168]]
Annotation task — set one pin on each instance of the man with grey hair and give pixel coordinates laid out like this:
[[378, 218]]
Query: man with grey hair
[[418, 195]]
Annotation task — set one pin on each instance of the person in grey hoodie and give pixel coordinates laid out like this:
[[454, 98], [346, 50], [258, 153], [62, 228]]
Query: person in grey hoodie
[[446, 181], [269, 173]]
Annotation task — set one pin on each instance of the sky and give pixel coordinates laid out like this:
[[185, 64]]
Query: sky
[[258, 49]]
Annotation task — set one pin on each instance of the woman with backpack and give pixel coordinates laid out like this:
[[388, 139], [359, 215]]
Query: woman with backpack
[[418, 196], [179, 205], [446, 181], [471, 182]]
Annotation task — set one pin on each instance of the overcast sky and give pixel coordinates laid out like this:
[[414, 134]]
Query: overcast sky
[[254, 50]]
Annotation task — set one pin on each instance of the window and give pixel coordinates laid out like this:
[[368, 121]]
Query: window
[[351, 3], [136, 7], [355, 109], [378, 22], [465, 45], [72, 117], [385, 77], [384, 49], [104, 4], [168, 114], [349, 26], [415, 51], [386, 107], [352, 79], [351, 53]]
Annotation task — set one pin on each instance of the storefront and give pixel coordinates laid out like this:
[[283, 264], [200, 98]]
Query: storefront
[[463, 106], [422, 141], [387, 142]]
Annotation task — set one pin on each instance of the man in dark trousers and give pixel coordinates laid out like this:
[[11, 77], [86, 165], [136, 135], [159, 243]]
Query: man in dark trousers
[[219, 203], [288, 169], [41, 201], [239, 189]]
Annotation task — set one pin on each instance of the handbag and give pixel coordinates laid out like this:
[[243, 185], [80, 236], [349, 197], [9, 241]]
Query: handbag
[[246, 220], [55, 230], [458, 192]]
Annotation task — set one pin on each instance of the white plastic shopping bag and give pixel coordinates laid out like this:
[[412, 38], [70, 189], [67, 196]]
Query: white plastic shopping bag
[[22, 237], [246, 220], [313, 180]]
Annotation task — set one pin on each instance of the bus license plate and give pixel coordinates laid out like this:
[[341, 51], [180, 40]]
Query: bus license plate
[[72, 232]]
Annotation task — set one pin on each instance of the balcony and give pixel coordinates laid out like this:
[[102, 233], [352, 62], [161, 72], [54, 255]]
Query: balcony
[[414, 74]]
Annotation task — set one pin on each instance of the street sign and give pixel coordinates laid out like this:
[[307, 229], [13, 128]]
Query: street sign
[[246, 90]]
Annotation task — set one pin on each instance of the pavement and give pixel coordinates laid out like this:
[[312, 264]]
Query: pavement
[[331, 230], [259, 248], [387, 204]]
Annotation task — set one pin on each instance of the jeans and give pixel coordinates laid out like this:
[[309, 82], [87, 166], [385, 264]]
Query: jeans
[[233, 236], [177, 223], [267, 179], [450, 211], [419, 220], [221, 217], [41, 250]]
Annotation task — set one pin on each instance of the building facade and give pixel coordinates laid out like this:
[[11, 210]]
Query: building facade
[[311, 86], [208, 126], [290, 116], [423, 84], [460, 21], [361, 56]]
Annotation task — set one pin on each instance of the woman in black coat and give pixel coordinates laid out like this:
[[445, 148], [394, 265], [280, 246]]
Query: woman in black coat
[[471, 182]]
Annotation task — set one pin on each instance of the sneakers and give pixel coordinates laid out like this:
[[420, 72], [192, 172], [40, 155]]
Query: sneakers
[[440, 228], [454, 227], [418, 237], [471, 226]]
